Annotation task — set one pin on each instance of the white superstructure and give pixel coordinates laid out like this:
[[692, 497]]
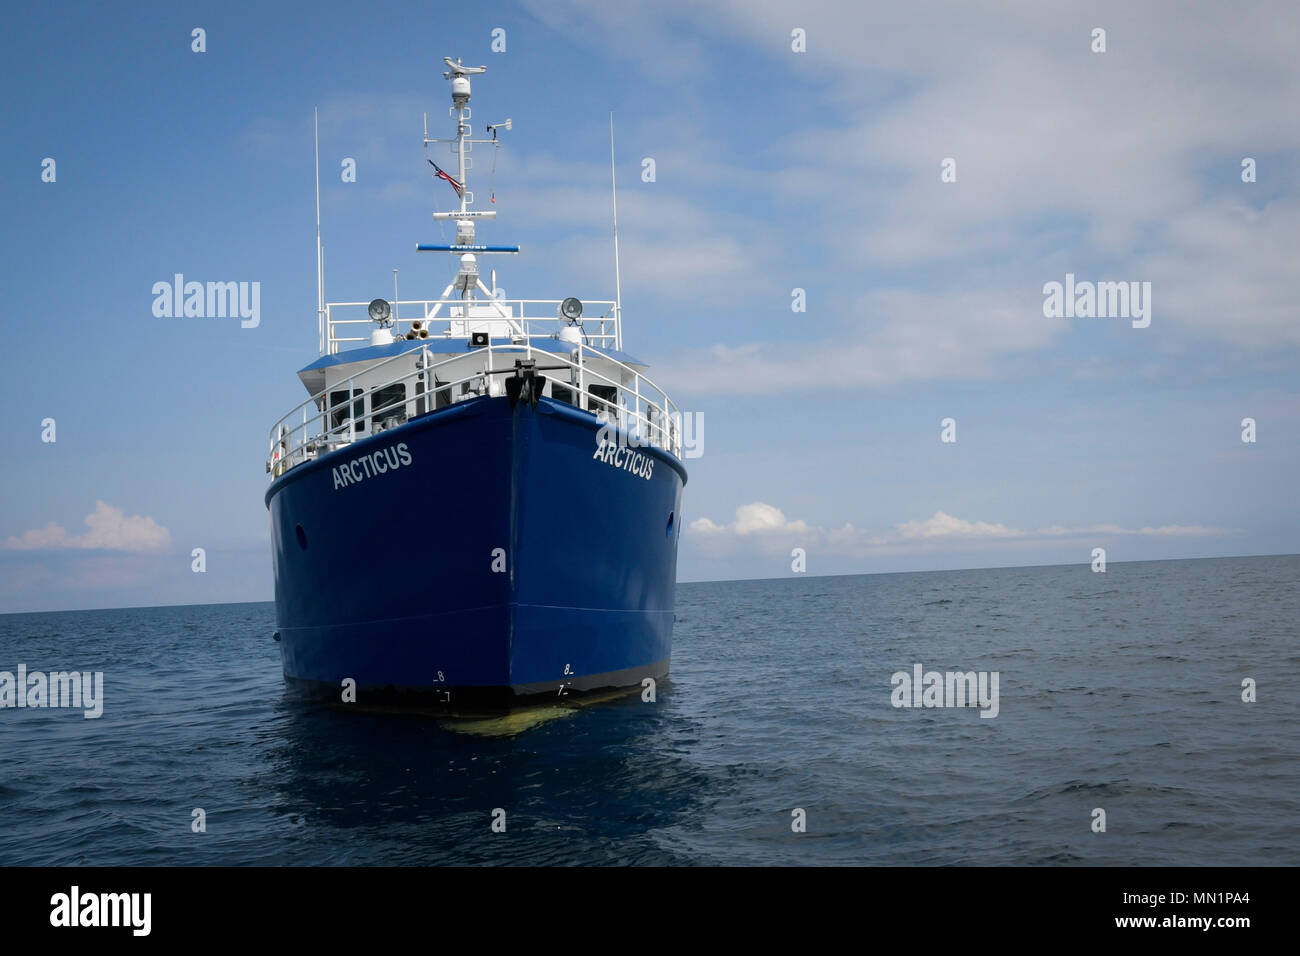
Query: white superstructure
[[385, 362]]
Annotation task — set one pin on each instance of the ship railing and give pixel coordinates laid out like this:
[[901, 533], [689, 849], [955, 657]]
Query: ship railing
[[641, 411], [348, 323]]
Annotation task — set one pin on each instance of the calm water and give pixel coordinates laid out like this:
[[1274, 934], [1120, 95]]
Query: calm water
[[1119, 690]]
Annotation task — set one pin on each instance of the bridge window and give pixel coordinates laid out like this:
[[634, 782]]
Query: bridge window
[[339, 410], [607, 394], [381, 399], [441, 396]]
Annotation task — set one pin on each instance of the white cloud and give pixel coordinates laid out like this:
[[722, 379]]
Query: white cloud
[[108, 529], [766, 526], [754, 518], [908, 336], [1122, 166], [945, 525]]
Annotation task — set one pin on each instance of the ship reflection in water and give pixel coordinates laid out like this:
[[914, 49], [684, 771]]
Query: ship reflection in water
[[381, 787]]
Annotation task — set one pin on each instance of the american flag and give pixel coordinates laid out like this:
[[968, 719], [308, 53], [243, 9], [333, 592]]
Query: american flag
[[460, 189]]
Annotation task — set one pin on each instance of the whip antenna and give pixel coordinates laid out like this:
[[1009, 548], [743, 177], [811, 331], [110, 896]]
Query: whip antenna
[[320, 256], [618, 282]]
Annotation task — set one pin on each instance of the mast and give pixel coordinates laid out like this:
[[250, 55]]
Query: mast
[[467, 279], [460, 92]]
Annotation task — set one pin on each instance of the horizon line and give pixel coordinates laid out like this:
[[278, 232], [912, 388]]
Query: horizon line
[[786, 577]]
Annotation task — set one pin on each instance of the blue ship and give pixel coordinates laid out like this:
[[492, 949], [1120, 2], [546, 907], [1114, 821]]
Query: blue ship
[[479, 504]]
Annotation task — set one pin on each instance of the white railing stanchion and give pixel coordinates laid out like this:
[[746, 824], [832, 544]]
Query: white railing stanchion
[[351, 412], [582, 384]]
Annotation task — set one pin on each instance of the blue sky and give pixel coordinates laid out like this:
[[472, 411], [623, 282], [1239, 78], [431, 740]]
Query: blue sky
[[775, 170]]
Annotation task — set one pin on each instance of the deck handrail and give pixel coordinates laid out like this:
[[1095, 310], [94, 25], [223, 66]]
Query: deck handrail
[[599, 313], [294, 444]]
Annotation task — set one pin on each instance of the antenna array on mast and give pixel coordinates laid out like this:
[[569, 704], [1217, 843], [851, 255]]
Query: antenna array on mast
[[467, 279]]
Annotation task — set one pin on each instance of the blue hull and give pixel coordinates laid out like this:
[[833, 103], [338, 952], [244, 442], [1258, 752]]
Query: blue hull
[[478, 556]]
